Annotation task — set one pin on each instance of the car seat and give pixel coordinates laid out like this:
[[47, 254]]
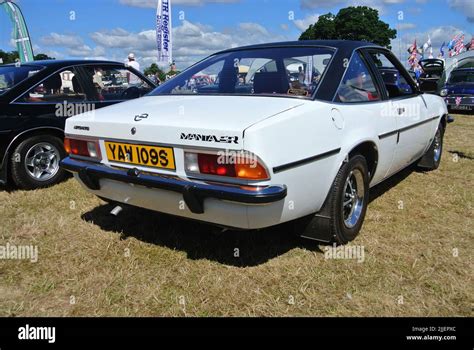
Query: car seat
[[270, 83]]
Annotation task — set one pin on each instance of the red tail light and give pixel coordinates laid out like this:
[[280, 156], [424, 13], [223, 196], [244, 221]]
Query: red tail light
[[213, 164], [208, 164], [84, 148]]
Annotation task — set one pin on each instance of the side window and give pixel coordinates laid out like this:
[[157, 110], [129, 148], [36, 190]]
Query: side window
[[108, 83], [59, 87], [395, 83], [206, 81], [357, 84]]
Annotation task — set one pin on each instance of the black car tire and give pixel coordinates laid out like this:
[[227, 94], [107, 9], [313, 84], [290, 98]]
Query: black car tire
[[45, 151], [335, 222], [342, 229], [432, 158]]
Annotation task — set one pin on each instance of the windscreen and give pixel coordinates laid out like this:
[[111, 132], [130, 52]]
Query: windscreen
[[13, 75]]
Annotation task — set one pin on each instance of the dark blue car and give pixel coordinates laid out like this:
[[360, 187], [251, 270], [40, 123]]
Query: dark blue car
[[459, 90]]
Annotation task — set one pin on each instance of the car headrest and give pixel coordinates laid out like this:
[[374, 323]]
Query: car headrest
[[227, 80], [53, 83], [270, 83], [75, 85]]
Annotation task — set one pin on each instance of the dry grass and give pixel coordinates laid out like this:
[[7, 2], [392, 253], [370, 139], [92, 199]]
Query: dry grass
[[177, 268]]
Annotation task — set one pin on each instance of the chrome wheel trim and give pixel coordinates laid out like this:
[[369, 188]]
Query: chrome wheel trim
[[353, 198], [42, 161], [437, 146]]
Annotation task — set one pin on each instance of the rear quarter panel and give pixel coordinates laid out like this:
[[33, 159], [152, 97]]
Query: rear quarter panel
[[298, 134], [436, 108]]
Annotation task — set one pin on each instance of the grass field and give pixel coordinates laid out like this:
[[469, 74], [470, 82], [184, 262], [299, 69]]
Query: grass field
[[418, 242]]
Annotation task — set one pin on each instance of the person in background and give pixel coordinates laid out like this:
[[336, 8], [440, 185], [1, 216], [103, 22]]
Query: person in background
[[301, 75], [97, 78], [157, 79], [132, 78]]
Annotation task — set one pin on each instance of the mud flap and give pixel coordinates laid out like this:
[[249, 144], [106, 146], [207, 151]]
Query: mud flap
[[317, 226], [427, 161]]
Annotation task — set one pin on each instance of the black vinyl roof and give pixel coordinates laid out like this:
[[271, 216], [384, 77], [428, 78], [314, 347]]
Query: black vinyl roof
[[337, 44]]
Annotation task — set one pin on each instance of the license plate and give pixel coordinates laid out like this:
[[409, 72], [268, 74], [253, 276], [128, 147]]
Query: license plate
[[460, 107], [150, 156]]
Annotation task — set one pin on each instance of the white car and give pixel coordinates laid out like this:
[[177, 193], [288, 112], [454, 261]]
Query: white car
[[268, 146]]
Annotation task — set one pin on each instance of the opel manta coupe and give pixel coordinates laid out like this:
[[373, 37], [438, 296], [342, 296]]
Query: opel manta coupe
[[298, 139]]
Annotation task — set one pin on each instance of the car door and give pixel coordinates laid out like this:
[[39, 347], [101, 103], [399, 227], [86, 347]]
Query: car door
[[55, 97], [406, 105], [362, 103], [48, 102]]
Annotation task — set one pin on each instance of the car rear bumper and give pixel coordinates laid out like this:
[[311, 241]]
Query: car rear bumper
[[193, 192]]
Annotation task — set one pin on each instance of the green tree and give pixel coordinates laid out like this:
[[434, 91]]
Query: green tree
[[12, 56], [323, 29], [8, 57], [352, 23], [42, 57], [153, 70]]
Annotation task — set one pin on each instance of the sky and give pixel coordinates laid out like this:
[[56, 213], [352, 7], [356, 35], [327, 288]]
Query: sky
[[110, 29]]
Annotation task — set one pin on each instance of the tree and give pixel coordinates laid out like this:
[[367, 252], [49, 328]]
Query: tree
[[352, 23], [8, 57], [12, 56], [42, 57], [153, 70], [323, 29]]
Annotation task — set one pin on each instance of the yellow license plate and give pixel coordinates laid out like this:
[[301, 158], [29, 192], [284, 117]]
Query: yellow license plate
[[151, 156]]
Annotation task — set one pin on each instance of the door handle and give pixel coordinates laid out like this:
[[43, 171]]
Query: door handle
[[401, 110]]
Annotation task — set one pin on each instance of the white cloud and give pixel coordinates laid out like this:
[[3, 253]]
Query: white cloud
[[153, 3], [191, 41], [379, 5], [313, 4], [86, 51], [120, 38], [303, 24], [65, 40], [464, 6]]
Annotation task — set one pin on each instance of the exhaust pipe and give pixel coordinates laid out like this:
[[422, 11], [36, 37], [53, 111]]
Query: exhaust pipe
[[116, 211]]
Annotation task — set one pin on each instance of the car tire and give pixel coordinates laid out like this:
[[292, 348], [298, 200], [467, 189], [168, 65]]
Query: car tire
[[349, 199], [335, 223], [432, 157], [35, 162]]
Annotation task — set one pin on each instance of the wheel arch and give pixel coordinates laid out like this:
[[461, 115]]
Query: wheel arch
[[369, 150], [44, 130], [444, 121]]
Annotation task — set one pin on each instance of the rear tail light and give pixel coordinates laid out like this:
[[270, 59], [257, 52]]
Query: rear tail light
[[246, 167], [83, 148]]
